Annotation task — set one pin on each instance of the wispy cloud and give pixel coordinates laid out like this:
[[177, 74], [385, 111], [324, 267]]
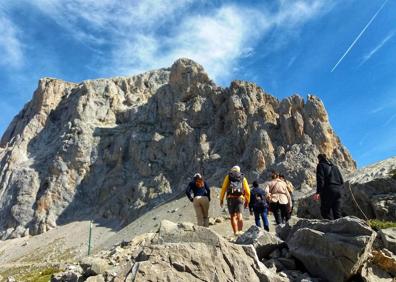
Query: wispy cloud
[[376, 48], [144, 35], [389, 120], [11, 48], [359, 35]]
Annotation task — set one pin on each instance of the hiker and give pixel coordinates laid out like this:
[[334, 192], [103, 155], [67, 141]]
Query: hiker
[[290, 188], [329, 184], [237, 189], [279, 198], [259, 206], [201, 199]]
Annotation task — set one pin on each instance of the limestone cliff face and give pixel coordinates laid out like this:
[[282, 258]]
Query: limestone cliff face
[[116, 147]]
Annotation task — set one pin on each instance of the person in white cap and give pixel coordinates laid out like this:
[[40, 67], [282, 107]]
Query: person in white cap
[[200, 198], [236, 187]]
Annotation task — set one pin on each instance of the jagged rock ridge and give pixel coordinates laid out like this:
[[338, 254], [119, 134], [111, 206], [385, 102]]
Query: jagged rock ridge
[[116, 147]]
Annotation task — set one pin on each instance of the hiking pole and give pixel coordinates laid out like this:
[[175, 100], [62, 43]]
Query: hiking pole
[[90, 237]]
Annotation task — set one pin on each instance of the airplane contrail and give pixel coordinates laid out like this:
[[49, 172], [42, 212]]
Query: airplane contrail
[[360, 34]]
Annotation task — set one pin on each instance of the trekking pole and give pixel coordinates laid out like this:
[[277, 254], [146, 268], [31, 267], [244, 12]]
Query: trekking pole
[[90, 237]]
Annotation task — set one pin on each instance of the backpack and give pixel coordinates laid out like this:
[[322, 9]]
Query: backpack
[[260, 201], [235, 188], [199, 183]]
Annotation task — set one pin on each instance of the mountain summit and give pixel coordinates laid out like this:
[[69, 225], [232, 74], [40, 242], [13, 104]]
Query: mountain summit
[[115, 148]]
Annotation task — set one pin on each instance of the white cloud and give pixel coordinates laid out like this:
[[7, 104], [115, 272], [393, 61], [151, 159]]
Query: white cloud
[[376, 48], [11, 49], [144, 35]]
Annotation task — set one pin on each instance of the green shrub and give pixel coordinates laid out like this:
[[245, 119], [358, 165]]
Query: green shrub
[[377, 224]]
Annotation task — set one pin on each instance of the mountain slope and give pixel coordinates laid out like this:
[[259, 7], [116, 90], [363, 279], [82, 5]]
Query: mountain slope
[[114, 148]]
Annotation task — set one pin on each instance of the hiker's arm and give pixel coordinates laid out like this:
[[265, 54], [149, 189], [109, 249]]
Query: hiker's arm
[[188, 192], [207, 190], [247, 191], [320, 179], [251, 203], [226, 182], [289, 199]]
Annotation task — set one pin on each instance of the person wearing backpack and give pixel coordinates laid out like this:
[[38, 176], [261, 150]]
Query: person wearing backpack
[[329, 185], [236, 189], [290, 188], [200, 200], [258, 205], [279, 198]]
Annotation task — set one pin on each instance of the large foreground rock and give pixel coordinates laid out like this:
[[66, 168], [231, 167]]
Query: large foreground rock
[[264, 242], [331, 250], [388, 237], [184, 252], [177, 252]]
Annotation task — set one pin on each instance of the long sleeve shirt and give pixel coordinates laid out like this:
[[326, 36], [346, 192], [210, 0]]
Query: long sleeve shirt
[[328, 177], [278, 192], [204, 191], [246, 189]]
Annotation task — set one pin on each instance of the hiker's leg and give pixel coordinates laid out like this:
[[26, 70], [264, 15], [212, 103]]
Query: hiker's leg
[[205, 211], [234, 222], [276, 212], [265, 219], [198, 211], [257, 218], [336, 207], [325, 207], [283, 210], [240, 221]]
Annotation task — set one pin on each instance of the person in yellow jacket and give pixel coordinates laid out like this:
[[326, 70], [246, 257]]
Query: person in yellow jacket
[[236, 189]]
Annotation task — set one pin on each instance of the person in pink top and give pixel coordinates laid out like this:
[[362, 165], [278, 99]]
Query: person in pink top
[[279, 198]]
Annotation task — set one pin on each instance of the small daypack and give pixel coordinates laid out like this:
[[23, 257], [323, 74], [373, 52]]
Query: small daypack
[[199, 183], [260, 201], [235, 188]]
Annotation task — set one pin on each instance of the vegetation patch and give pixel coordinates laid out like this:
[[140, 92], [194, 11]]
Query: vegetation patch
[[31, 273], [377, 224]]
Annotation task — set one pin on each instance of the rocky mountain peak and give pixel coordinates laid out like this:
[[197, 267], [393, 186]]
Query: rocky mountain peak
[[116, 147]]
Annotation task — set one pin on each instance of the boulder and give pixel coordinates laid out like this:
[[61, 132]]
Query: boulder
[[371, 272], [332, 250], [264, 242], [385, 260], [184, 252], [94, 266], [388, 237], [96, 278]]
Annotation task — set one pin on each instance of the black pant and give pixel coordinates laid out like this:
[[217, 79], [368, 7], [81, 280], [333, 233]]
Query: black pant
[[330, 202], [280, 212]]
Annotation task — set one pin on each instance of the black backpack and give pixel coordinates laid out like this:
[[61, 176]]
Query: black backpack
[[235, 188], [260, 202]]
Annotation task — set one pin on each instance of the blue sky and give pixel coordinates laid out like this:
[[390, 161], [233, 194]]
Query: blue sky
[[286, 47]]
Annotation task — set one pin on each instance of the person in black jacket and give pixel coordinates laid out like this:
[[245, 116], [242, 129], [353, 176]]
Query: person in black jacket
[[259, 206], [329, 185], [201, 199]]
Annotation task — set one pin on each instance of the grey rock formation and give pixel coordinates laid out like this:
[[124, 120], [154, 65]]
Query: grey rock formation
[[181, 252], [388, 237], [331, 250], [115, 148], [369, 192], [264, 242]]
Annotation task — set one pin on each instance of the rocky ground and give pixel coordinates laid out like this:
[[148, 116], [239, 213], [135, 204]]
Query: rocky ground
[[69, 243]]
